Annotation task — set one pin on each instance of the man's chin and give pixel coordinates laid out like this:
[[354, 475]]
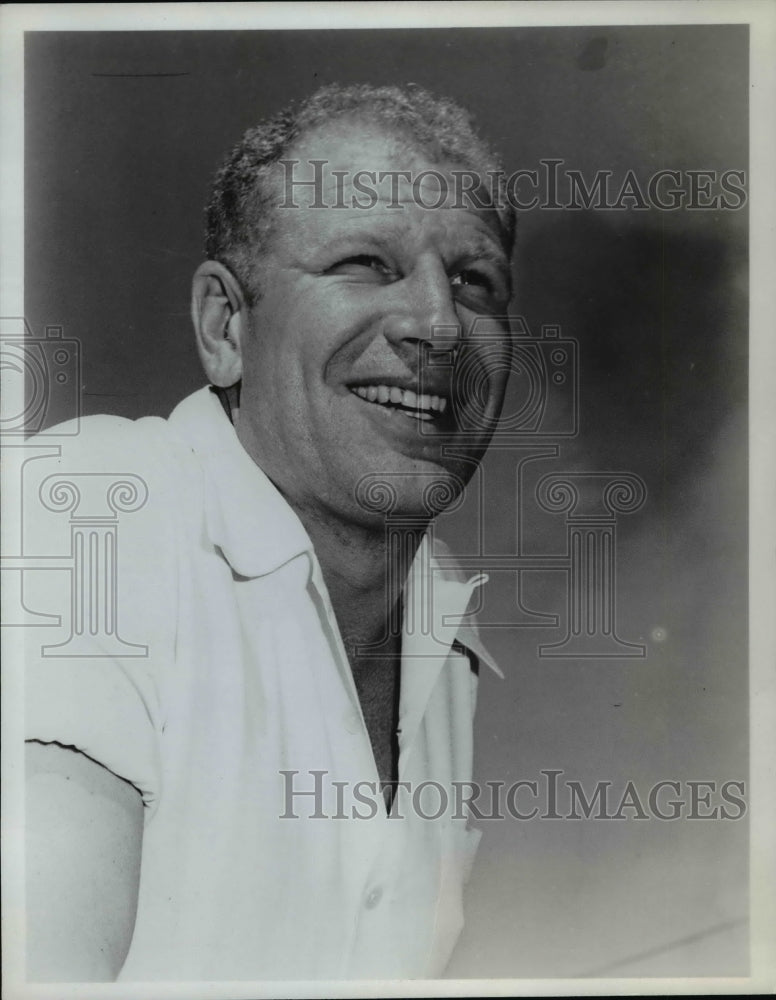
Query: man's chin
[[416, 491]]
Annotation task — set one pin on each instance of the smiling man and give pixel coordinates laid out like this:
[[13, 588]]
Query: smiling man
[[270, 789]]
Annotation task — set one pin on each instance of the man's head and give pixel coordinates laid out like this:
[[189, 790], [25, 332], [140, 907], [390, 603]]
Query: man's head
[[353, 322], [247, 187]]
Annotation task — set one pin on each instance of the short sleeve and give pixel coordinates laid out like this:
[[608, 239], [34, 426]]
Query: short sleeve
[[100, 590], [103, 710]]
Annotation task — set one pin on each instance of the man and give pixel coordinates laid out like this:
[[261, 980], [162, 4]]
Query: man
[[199, 808]]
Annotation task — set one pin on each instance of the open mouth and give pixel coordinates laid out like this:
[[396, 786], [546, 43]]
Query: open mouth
[[415, 406]]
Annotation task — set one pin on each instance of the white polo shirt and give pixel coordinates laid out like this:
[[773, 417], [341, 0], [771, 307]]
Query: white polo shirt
[[236, 701]]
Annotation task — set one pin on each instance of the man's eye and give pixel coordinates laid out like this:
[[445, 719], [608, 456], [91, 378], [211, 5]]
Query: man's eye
[[470, 277], [362, 264]]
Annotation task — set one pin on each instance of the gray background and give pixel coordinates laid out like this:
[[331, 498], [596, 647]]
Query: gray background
[[123, 132]]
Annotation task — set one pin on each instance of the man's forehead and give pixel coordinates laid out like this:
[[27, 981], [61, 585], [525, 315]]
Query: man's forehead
[[358, 144], [383, 227], [398, 226], [362, 157], [375, 180]]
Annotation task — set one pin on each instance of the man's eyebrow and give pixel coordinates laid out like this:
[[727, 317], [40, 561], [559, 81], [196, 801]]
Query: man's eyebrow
[[358, 241], [388, 234], [391, 228], [485, 249]]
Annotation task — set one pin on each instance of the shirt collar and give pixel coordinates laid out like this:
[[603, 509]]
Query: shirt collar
[[469, 637], [247, 517], [436, 600], [258, 532]]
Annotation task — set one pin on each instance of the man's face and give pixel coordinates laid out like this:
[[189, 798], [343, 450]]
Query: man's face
[[361, 359]]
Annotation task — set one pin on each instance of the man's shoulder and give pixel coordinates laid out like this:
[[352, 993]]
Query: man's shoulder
[[104, 466], [104, 438], [107, 442]]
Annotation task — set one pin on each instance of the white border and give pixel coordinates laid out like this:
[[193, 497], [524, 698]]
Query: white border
[[761, 16]]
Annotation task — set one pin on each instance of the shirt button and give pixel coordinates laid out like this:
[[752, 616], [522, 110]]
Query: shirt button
[[373, 898]]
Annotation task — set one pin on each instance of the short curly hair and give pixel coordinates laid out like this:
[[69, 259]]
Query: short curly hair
[[239, 211]]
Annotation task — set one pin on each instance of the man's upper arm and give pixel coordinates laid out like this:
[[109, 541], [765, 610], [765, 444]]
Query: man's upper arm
[[84, 829]]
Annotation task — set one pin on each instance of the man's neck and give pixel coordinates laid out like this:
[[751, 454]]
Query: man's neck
[[364, 574]]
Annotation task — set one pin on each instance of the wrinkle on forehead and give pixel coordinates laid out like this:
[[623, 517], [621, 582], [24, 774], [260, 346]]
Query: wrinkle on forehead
[[384, 226], [352, 149], [459, 234]]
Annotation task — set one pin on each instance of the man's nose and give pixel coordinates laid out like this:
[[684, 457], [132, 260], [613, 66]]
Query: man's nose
[[426, 316]]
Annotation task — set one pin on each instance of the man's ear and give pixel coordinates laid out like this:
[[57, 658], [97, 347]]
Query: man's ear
[[220, 316]]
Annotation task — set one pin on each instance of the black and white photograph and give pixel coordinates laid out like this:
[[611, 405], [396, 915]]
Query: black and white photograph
[[387, 560]]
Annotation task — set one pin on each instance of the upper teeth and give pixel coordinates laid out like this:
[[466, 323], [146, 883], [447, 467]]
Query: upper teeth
[[403, 397]]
